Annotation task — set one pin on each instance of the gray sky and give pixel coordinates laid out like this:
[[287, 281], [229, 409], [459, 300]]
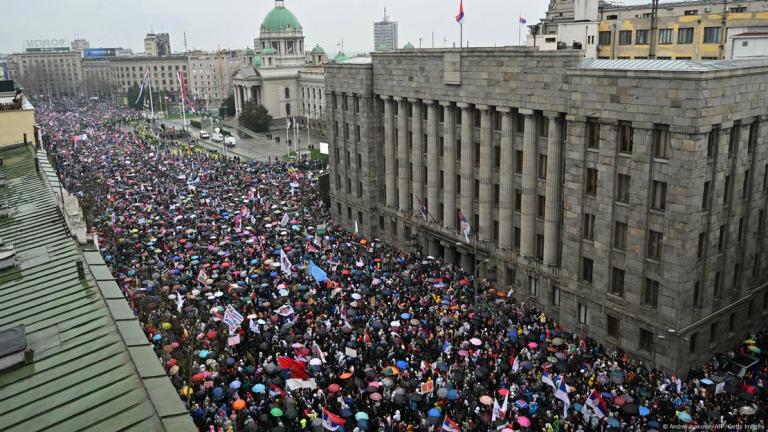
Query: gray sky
[[113, 23]]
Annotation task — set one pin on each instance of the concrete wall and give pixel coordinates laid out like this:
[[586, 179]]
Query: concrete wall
[[13, 126]]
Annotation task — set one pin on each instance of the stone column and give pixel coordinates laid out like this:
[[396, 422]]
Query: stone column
[[506, 179], [553, 198], [389, 152], [467, 163], [486, 174], [433, 161], [237, 99], [403, 176], [417, 156], [528, 213], [449, 166]]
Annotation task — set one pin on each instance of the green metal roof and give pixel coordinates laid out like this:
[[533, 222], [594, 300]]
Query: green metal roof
[[409, 46], [318, 50], [340, 57], [280, 19], [269, 51], [87, 373], [257, 61], [249, 51]]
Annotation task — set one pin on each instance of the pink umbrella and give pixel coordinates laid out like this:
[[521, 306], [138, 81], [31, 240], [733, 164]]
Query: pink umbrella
[[532, 345], [375, 396], [463, 353], [486, 400], [524, 421], [475, 341]]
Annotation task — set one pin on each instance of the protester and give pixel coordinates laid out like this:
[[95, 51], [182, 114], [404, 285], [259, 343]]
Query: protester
[[266, 316]]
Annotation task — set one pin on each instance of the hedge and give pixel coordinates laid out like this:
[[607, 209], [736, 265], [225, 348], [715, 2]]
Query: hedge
[[196, 124]]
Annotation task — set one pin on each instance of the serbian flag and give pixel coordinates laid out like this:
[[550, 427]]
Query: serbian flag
[[298, 369], [460, 15], [450, 425], [464, 226], [331, 421], [184, 96], [523, 20], [597, 403], [275, 391]]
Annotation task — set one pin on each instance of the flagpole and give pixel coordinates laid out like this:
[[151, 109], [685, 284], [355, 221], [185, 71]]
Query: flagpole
[[151, 103], [181, 102], [461, 34]]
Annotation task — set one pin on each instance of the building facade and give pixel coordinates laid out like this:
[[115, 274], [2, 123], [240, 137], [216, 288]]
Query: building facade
[[49, 74], [280, 68], [157, 45], [129, 71], [97, 77], [17, 116], [385, 35], [625, 199], [204, 80]]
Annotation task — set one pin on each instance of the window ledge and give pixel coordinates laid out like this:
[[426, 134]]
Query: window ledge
[[661, 160]]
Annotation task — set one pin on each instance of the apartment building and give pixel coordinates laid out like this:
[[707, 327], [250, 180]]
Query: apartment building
[[129, 71], [625, 198], [55, 73]]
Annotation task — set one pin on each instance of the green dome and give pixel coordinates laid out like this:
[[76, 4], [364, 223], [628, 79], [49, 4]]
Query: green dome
[[340, 57], [248, 51], [256, 61], [280, 19], [318, 50], [409, 46], [269, 51]]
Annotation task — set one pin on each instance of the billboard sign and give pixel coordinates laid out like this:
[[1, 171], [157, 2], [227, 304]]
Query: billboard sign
[[45, 43], [98, 52]]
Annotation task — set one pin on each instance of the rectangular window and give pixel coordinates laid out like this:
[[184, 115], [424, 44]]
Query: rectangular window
[[745, 186], [665, 36], [625, 37], [661, 142], [696, 294], [760, 217], [692, 343], [756, 265], [540, 246], [741, 229], [620, 236], [659, 195], [612, 326], [496, 194], [654, 244], [712, 35], [604, 38], [477, 154], [519, 162], [533, 286], [541, 205], [555, 295], [625, 137], [542, 167], [543, 124], [582, 313], [713, 333], [727, 190], [732, 322], [617, 282], [685, 35], [705, 196], [589, 226], [651, 293], [516, 238], [586, 269], [701, 248], [716, 291], [646, 340], [622, 189], [518, 200], [641, 37], [721, 239], [593, 133], [590, 187], [712, 143]]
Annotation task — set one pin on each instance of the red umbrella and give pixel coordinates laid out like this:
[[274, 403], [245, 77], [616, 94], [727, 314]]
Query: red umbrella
[[197, 377], [211, 334], [333, 388]]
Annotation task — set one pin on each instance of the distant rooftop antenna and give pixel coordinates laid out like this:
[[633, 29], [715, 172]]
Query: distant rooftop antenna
[[185, 43], [386, 18]]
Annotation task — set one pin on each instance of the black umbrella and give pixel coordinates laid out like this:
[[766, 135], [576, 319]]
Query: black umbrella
[[630, 409]]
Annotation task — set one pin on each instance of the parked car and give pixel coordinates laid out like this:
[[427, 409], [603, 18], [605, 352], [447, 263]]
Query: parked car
[[204, 135], [230, 141], [217, 137]]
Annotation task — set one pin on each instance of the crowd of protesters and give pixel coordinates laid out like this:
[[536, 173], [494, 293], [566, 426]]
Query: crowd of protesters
[[267, 316]]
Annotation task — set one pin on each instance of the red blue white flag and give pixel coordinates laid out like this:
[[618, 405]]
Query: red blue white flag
[[460, 15]]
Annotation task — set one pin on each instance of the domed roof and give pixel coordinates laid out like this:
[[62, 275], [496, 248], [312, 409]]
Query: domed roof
[[340, 57], [318, 50], [280, 19], [409, 46], [256, 61], [269, 51], [248, 51]]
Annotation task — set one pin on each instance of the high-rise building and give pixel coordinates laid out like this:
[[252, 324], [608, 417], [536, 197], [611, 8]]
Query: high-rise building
[[80, 45], [385, 34], [157, 45], [51, 73], [627, 199]]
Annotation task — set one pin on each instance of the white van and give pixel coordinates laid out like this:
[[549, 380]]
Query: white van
[[230, 141], [204, 135], [217, 137]]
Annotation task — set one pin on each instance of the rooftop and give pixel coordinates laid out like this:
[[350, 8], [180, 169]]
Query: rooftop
[[673, 65], [280, 19], [92, 367]]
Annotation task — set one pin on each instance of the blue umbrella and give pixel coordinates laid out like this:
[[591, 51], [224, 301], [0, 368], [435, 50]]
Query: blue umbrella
[[707, 381], [218, 393], [521, 404], [434, 412], [452, 394], [157, 337], [346, 413], [259, 388], [234, 385], [684, 417], [644, 411], [653, 424], [577, 406], [613, 422], [254, 261], [402, 364], [405, 315], [203, 354], [361, 416]]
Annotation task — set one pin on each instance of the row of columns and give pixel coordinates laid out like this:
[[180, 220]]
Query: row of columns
[[244, 94], [408, 172]]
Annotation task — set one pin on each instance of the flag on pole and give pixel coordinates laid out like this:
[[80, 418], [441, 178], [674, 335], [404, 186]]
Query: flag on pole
[[185, 97], [523, 20], [143, 83], [597, 403], [496, 410], [562, 394], [466, 229], [547, 379], [285, 263], [275, 391], [516, 364], [423, 208], [504, 407], [450, 425], [357, 228], [284, 221], [460, 15], [287, 123], [331, 421]]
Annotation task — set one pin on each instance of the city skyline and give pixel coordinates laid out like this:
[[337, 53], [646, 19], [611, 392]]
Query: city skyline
[[326, 23]]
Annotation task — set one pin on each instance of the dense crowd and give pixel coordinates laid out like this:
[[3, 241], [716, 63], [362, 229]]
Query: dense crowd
[[266, 316]]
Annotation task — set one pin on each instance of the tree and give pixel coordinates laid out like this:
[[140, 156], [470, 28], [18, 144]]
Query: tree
[[255, 117], [133, 93], [228, 106]]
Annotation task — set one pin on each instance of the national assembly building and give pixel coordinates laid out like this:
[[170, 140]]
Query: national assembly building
[[625, 198]]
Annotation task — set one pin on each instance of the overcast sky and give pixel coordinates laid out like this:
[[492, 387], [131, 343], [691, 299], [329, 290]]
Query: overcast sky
[[210, 24]]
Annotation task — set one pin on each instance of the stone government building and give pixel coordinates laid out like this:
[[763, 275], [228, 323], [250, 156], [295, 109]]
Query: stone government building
[[626, 198]]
